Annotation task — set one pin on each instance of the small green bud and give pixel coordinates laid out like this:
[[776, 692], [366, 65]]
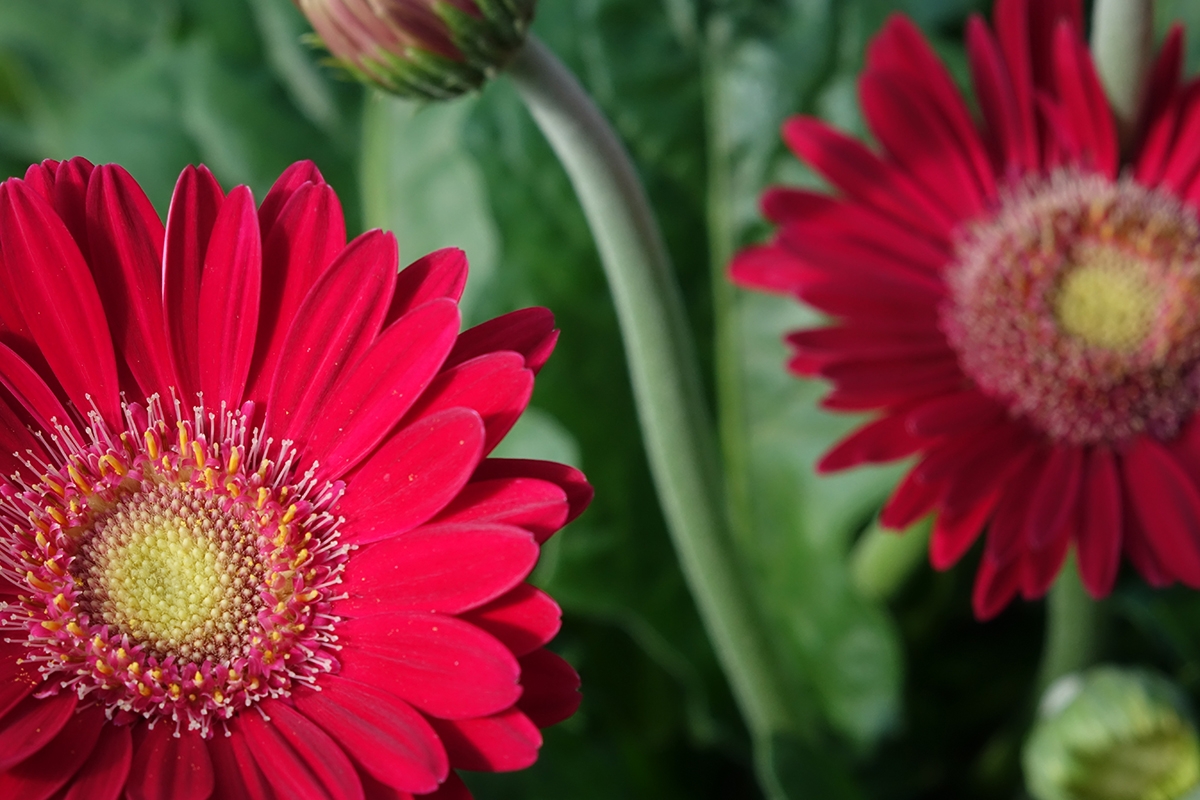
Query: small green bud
[[1112, 734], [432, 49]]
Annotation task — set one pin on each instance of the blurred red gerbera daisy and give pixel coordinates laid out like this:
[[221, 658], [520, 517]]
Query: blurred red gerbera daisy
[[253, 546], [1018, 302]]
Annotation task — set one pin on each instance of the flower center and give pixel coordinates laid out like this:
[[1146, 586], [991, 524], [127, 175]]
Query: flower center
[[173, 571], [1078, 304], [183, 569]]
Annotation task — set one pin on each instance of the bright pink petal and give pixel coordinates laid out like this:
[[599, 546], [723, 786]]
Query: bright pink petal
[[1098, 540], [442, 568], [303, 243], [442, 273], [392, 742], [550, 688], [170, 767], [193, 212], [579, 491], [229, 295], [529, 332], [46, 771], [58, 300], [375, 393], [103, 775], [500, 743], [497, 385], [412, 476], [31, 724], [335, 325], [443, 666], [1167, 503], [298, 758], [126, 240], [538, 506], [523, 620]]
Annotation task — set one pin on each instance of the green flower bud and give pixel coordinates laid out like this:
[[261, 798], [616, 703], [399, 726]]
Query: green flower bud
[[1112, 734], [431, 49]]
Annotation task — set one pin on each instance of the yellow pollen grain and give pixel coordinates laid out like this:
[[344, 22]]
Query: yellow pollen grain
[[1107, 301]]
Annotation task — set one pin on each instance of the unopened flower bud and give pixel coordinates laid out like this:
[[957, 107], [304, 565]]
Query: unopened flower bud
[[431, 49], [1112, 734]]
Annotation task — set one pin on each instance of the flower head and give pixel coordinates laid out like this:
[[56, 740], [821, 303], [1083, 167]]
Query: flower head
[[252, 540], [430, 49], [1015, 303]]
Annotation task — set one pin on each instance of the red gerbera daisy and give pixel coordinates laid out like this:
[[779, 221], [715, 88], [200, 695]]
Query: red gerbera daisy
[[1018, 302], [253, 546]]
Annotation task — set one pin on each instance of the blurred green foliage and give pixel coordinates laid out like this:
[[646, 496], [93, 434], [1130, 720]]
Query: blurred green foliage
[[914, 696]]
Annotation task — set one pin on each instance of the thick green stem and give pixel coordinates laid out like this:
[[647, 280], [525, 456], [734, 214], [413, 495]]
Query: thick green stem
[[1122, 39], [882, 561], [1071, 628], [665, 375]]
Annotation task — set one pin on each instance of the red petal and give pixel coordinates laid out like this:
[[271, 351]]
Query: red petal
[[392, 742], [442, 568], [412, 476], [194, 207], [524, 619], [1053, 500], [452, 789], [31, 392], [44, 773], [229, 295], [1007, 534], [443, 666], [103, 775], [336, 323], [58, 299], [538, 506], [299, 759], [69, 198], [529, 332], [1167, 503], [1012, 131], [126, 240], [285, 186], [375, 393], [1087, 112], [170, 767], [442, 273], [237, 775], [579, 491], [497, 385], [1098, 540], [501, 743], [885, 439], [550, 688], [910, 501], [954, 414], [995, 586], [953, 534], [303, 243], [31, 724]]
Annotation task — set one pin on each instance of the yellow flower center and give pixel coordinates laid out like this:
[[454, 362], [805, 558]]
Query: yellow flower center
[[1107, 301]]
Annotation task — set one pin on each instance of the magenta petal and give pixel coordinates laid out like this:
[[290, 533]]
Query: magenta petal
[[995, 586], [31, 391], [442, 273], [193, 212], [58, 300], [335, 325], [1098, 540], [579, 491], [376, 392], [523, 620], [31, 724], [412, 476], [443, 666], [48, 770], [229, 295], [1167, 503], [126, 240], [281, 191], [391, 740], [236, 772], [443, 568], [302, 244], [170, 767], [550, 688], [497, 385], [299, 759], [103, 775], [539, 507], [69, 198], [500, 743], [529, 332], [452, 789]]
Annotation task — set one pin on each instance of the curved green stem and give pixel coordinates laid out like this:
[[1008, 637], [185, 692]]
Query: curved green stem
[[1122, 39], [882, 561], [666, 380], [1072, 619]]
